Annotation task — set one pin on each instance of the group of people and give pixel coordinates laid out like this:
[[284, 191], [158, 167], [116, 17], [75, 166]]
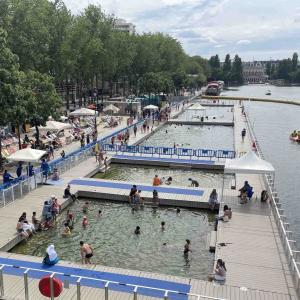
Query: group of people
[[137, 201]]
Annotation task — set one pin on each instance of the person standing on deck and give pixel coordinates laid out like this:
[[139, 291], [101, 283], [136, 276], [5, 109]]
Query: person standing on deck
[[243, 134]]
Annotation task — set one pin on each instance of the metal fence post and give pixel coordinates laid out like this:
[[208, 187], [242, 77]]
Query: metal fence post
[[3, 196], [166, 297], [52, 286], [26, 284], [78, 289], [1, 282], [12, 194], [135, 293], [106, 290]]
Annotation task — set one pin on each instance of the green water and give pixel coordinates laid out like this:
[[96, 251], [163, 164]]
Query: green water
[[138, 174], [115, 244]]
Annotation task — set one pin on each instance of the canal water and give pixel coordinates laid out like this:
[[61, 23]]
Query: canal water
[[273, 124], [115, 244]]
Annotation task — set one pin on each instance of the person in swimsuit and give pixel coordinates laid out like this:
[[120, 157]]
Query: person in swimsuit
[[187, 248], [137, 230], [194, 183], [67, 231], [86, 252], [162, 225]]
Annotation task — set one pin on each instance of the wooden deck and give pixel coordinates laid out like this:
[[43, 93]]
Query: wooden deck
[[254, 256]]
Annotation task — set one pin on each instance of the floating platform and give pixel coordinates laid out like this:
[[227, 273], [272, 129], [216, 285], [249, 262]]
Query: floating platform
[[179, 163], [119, 191]]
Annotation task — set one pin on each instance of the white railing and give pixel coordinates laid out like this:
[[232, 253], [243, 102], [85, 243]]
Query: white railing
[[286, 234], [134, 288]]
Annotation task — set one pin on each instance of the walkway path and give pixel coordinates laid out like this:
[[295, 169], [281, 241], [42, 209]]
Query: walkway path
[[254, 256]]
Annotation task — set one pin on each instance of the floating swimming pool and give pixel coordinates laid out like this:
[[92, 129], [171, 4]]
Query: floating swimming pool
[[143, 174], [192, 136], [115, 244]]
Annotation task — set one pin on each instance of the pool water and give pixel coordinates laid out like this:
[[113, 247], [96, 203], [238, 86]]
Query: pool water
[[115, 244], [143, 174], [192, 136], [222, 114]]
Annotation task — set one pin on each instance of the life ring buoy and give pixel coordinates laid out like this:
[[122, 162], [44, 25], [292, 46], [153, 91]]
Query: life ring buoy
[[44, 286]]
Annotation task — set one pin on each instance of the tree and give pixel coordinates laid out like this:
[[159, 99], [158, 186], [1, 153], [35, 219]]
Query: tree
[[237, 70], [284, 69], [294, 62], [227, 68], [215, 65]]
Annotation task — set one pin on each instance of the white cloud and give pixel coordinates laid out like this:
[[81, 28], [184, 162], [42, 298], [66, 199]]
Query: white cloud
[[243, 42]]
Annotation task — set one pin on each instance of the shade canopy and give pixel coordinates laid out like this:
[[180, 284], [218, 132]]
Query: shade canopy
[[55, 126], [27, 155], [112, 108], [63, 118], [196, 107], [83, 112], [151, 107], [249, 163]]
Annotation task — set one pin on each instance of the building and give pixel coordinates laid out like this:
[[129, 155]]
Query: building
[[122, 25], [254, 72]]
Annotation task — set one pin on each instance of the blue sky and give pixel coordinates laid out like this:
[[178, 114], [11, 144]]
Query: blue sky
[[255, 29]]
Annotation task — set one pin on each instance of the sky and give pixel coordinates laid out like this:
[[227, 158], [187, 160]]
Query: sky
[[254, 29]]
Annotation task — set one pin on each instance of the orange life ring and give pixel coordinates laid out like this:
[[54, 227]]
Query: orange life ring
[[44, 286]]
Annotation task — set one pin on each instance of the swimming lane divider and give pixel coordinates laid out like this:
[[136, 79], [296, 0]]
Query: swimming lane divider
[[144, 188]]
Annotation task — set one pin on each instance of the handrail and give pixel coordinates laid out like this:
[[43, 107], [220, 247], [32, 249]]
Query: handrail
[[278, 217], [104, 281]]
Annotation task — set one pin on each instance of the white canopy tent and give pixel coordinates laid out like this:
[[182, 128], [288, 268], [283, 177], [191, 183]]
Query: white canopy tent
[[83, 112], [55, 126], [249, 163], [111, 108], [151, 107], [27, 155]]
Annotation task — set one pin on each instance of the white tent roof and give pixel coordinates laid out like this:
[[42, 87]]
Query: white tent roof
[[151, 107], [27, 155], [249, 163], [83, 112], [112, 108], [54, 125], [196, 107]]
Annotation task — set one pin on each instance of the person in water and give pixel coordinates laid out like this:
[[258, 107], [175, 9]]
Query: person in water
[[137, 230], [85, 207], [169, 180], [162, 225], [194, 183], [85, 221], [178, 211], [67, 230], [99, 213], [86, 252], [187, 247], [156, 181]]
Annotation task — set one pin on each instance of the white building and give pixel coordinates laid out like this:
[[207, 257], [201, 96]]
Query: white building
[[122, 25], [254, 72]]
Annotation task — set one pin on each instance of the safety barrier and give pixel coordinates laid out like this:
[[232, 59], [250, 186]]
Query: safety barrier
[[286, 235], [90, 282], [168, 151]]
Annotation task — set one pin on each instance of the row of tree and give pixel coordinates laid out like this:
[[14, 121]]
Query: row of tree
[[287, 69], [86, 50], [230, 71]]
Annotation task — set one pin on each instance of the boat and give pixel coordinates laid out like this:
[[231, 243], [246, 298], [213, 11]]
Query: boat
[[268, 93], [213, 89]]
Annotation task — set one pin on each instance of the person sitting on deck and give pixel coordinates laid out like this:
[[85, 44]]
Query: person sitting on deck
[[7, 178], [156, 181], [55, 175], [194, 183], [213, 199], [51, 257], [227, 215], [220, 272], [20, 230], [245, 189], [68, 194]]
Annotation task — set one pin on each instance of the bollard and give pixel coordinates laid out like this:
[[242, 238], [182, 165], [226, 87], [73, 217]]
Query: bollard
[[106, 290], [78, 288], [135, 293]]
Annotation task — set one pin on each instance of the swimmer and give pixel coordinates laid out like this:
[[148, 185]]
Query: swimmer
[[99, 213], [67, 231], [85, 221], [187, 247], [162, 225], [194, 183], [178, 211], [169, 181], [166, 131], [137, 230], [85, 207]]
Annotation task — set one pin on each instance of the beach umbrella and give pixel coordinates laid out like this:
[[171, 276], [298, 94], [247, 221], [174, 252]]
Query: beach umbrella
[[27, 155], [83, 112], [151, 107], [111, 108]]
